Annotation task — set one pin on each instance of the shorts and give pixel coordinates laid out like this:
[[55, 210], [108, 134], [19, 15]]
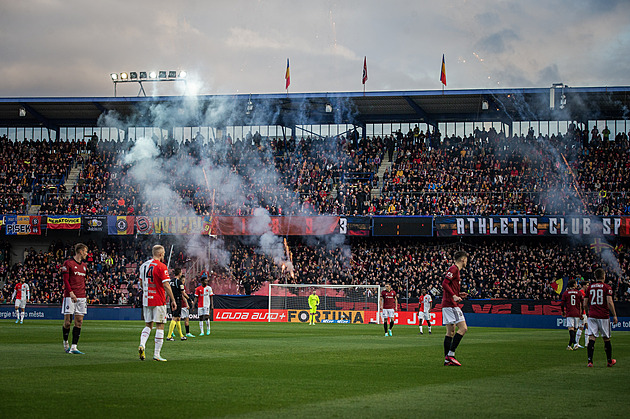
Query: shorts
[[389, 312], [78, 309], [452, 315], [185, 313], [203, 311], [313, 310], [154, 314], [20, 303], [573, 322], [177, 312], [583, 320], [424, 315], [599, 326]]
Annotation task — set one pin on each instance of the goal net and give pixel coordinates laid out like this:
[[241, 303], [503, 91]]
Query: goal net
[[337, 303]]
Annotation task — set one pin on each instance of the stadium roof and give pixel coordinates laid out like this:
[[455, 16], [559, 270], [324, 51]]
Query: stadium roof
[[432, 107]]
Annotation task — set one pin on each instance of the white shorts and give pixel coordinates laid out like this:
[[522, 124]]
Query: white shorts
[[582, 321], [573, 322], [154, 314], [203, 311], [20, 304], [424, 315], [77, 309], [599, 326], [185, 313], [452, 315], [388, 312]]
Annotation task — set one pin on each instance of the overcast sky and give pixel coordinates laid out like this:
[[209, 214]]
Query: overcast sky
[[69, 47]]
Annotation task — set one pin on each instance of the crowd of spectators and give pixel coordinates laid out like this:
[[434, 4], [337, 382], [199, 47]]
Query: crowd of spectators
[[30, 169], [497, 268], [483, 173]]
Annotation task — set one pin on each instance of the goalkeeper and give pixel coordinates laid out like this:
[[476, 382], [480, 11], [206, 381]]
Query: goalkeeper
[[313, 302]]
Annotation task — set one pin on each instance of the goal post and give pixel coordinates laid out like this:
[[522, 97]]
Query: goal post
[[337, 303]]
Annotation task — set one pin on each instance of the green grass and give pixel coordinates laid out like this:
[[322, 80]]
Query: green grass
[[295, 370]]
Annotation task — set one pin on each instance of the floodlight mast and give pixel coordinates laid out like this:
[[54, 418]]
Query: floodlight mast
[[151, 76]]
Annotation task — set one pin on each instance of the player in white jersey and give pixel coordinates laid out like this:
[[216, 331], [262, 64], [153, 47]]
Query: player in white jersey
[[424, 312], [21, 295], [203, 296]]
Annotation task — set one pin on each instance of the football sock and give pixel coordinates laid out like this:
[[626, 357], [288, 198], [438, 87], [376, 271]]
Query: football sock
[[171, 327], [17, 314], [66, 333], [447, 344], [608, 348], [145, 336], [572, 337], [179, 329], [391, 324], [22, 316], [201, 326], [159, 340], [590, 350], [187, 329], [385, 326], [76, 332], [208, 325], [578, 335], [456, 339], [429, 327], [420, 328]]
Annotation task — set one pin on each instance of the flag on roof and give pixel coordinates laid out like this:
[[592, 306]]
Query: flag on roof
[[287, 76]]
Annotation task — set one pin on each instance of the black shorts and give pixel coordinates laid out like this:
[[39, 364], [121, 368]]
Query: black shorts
[[177, 312]]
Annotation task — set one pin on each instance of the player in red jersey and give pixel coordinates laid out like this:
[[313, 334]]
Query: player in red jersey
[[389, 302], [155, 287], [571, 306], [74, 272], [600, 304], [452, 315]]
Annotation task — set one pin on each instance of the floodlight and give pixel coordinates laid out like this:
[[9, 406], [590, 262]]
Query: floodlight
[[484, 105], [114, 76], [152, 74], [172, 74], [182, 74], [143, 74], [329, 108], [22, 111], [133, 75], [123, 76], [162, 75]]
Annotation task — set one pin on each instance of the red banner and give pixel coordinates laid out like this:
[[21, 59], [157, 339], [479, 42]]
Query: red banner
[[63, 222], [280, 226]]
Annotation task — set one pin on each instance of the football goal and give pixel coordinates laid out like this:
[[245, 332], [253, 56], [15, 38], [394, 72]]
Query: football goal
[[337, 303]]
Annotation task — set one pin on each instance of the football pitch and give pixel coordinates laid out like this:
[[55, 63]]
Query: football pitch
[[299, 371]]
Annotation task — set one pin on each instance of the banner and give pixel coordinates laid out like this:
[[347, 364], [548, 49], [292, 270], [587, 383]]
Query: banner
[[355, 226], [510, 225], [327, 316], [94, 223], [281, 226], [22, 225], [120, 225], [170, 225], [63, 222]]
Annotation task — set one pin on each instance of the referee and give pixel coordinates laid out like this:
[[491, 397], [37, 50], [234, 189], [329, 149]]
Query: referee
[[177, 285]]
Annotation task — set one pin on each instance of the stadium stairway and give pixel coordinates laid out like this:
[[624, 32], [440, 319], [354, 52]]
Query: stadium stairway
[[385, 164], [71, 180]]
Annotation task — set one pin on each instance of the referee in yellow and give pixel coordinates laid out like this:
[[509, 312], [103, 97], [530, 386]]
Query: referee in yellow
[[313, 302]]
